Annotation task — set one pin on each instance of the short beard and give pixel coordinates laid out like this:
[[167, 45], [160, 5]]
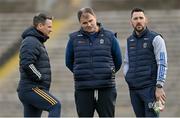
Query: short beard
[[139, 31], [136, 29]]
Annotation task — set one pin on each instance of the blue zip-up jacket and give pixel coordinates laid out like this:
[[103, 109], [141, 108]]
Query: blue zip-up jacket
[[145, 60], [93, 58], [35, 70]]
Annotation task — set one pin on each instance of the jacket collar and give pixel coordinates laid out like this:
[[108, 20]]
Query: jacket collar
[[32, 31]]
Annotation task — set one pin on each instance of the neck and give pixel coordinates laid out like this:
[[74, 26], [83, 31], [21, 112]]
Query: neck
[[138, 33]]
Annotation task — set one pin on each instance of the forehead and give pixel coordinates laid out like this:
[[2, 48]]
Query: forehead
[[138, 14], [48, 22], [86, 16]]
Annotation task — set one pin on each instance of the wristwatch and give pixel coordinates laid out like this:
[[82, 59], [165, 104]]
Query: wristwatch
[[159, 86]]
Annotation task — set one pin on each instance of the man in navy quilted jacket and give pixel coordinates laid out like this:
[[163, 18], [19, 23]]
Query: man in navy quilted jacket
[[93, 56], [35, 70], [145, 66]]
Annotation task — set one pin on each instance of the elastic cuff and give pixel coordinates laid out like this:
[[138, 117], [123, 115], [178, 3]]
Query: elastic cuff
[[160, 82]]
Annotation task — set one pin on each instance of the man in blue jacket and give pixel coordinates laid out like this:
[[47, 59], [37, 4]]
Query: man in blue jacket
[[35, 71], [93, 56], [145, 66]]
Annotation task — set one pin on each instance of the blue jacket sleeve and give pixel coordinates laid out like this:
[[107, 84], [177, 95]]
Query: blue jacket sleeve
[[69, 55], [116, 53], [28, 56]]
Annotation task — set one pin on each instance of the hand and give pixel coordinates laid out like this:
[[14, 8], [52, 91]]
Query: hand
[[37, 79], [160, 95]]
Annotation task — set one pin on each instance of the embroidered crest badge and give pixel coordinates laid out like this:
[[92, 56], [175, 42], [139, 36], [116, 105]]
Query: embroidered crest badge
[[101, 41], [145, 45]]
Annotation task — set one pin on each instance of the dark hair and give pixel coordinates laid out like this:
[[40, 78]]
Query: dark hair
[[136, 10], [40, 18], [85, 10]]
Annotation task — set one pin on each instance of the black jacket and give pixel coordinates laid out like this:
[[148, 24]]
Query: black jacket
[[34, 61]]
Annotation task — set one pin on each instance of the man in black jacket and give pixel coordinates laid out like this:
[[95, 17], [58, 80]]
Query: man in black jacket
[[35, 71]]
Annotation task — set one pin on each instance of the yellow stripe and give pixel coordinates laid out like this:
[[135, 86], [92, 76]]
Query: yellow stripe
[[42, 96], [46, 95], [39, 93], [52, 99], [47, 99]]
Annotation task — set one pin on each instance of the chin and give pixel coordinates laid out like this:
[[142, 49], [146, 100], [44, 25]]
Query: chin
[[89, 31], [139, 29]]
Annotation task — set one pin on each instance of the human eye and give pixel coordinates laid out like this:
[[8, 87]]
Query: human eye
[[135, 18], [141, 18], [84, 23]]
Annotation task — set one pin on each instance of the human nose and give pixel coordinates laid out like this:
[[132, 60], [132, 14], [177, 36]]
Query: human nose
[[138, 20], [88, 24]]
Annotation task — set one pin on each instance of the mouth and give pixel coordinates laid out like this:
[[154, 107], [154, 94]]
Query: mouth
[[139, 28], [138, 25], [89, 28]]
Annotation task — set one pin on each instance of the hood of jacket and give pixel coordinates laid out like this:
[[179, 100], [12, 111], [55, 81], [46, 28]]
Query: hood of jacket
[[32, 31]]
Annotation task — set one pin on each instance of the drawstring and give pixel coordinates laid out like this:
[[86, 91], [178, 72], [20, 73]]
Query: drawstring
[[96, 95]]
